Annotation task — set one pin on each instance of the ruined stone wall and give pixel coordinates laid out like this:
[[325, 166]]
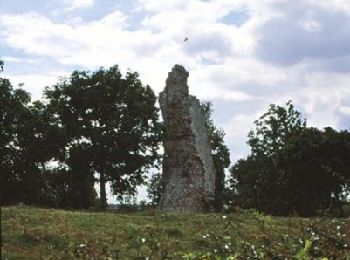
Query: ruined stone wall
[[188, 168], [203, 148]]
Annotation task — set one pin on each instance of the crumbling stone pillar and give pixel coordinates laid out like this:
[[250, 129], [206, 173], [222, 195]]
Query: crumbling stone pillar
[[188, 167]]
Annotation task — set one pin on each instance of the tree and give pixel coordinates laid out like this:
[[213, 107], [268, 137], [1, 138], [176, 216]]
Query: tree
[[24, 147], [290, 169], [12, 106], [115, 118], [154, 188]]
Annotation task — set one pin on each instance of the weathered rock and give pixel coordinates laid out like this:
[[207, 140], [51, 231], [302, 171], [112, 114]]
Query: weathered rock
[[188, 168]]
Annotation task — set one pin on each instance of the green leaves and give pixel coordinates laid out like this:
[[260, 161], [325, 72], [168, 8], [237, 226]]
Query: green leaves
[[116, 117], [292, 168]]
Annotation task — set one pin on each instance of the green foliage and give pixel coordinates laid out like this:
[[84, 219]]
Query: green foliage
[[111, 126], [24, 147], [245, 234], [154, 188], [90, 123], [292, 168]]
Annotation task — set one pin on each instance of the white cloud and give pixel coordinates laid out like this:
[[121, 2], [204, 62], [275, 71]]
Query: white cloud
[[345, 110], [280, 51], [77, 4], [10, 59], [34, 83]]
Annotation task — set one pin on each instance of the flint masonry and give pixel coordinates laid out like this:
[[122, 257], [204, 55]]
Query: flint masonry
[[188, 167]]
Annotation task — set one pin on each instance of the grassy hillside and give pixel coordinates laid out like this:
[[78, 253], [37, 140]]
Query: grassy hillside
[[34, 233]]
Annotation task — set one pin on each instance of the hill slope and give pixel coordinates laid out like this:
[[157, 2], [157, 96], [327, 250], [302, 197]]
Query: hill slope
[[35, 233]]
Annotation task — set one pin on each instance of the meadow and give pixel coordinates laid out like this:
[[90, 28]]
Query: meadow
[[37, 233]]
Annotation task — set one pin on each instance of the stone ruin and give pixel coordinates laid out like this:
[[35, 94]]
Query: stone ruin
[[188, 167]]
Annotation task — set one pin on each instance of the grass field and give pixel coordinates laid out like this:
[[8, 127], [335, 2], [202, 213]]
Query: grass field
[[35, 233]]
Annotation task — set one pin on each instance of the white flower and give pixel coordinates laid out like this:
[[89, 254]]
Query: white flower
[[227, 246], [143, 240], [224, 217]]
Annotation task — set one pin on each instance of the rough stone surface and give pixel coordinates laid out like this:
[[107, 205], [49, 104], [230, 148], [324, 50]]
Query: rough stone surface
[[188, 168]]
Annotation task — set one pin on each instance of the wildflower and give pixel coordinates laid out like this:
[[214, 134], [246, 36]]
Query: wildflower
[[338, 227], [224, 217], [227, 246], [143, 240]]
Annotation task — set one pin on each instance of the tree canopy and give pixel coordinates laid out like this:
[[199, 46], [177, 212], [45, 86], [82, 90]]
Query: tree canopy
[[92, 124], [112, 119], [292, 168]]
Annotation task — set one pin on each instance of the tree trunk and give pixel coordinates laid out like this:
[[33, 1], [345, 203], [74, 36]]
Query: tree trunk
[[103, 196]]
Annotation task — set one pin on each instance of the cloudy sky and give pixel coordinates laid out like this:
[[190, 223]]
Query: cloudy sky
[[242, 55]]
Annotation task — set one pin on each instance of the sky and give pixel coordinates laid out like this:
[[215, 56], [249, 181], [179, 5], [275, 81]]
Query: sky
[[242, 55]]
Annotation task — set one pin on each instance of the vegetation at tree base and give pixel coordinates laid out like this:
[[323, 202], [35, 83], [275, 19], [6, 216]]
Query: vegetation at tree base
[[90, 123], [34, 233], [221, 158], [292, 168]]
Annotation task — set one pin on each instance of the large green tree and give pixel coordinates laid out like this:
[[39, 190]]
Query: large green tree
[[115, 119], [12, 110], [291, 168], [27, 142]]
